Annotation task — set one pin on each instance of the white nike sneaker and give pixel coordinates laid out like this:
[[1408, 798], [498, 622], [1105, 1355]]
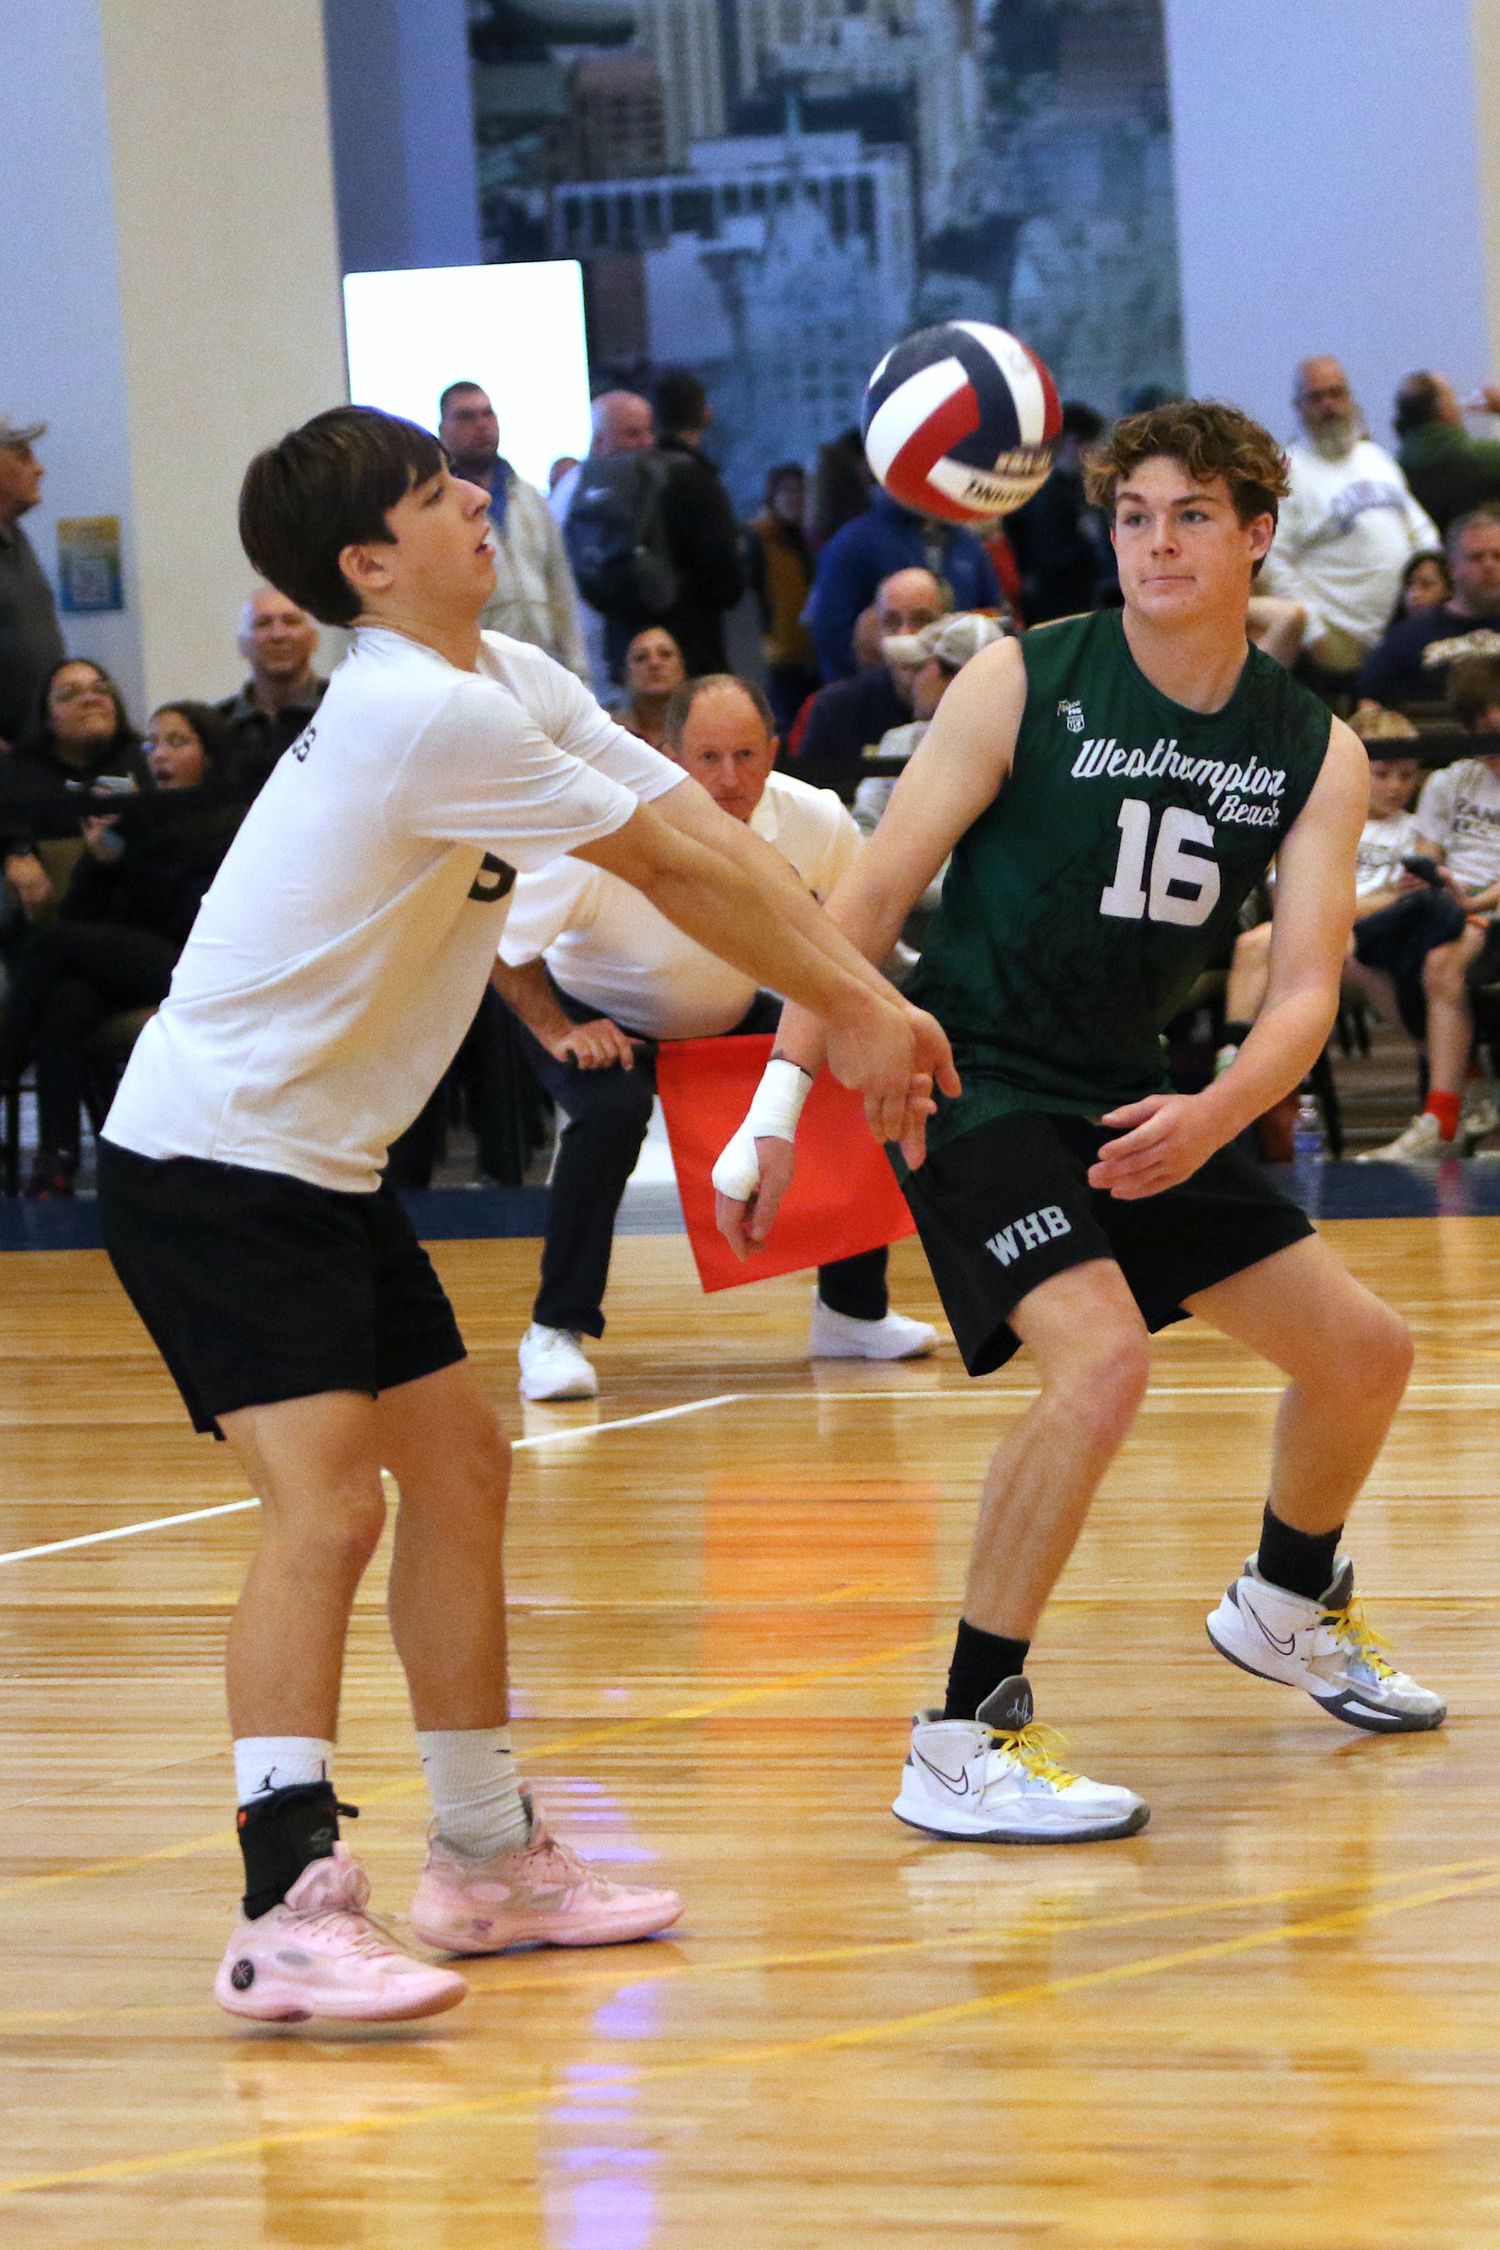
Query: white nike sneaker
[[552, 1366], [991, 1780], [1324, 1647], [836, 1335], [1421, 1143]]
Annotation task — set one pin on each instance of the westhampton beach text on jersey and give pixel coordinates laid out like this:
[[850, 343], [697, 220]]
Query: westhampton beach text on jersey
[[1230, 789]]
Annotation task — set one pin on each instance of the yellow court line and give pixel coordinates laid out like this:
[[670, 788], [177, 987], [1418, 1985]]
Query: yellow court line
[[627, 1978], [623, 1730], [725, 2059]]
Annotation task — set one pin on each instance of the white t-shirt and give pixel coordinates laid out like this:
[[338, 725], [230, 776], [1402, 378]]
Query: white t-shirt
[[1348, 528], [342, 949], [609, 947], [1382, 845], [1459, 808]]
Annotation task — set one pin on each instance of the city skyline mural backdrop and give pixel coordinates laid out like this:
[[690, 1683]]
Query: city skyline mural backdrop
[[771, 192]]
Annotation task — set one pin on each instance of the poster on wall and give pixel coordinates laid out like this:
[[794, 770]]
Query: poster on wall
[[89, 577], [770, 192]]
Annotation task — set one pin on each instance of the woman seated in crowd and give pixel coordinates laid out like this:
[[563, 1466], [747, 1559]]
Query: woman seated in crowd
[[1426, 583], [120, 925], [79, 742], [653, 670]]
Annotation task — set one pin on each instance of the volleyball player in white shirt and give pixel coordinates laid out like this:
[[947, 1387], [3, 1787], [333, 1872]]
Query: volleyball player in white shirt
[[336, 964]]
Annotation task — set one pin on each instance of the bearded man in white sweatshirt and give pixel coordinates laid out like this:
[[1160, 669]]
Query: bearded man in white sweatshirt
[[1348, 529]]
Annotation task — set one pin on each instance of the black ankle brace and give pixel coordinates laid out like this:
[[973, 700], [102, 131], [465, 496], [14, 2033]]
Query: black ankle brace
[[282, 1833]]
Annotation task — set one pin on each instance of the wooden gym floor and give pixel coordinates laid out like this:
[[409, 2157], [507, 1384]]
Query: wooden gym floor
[[1269, 2021]]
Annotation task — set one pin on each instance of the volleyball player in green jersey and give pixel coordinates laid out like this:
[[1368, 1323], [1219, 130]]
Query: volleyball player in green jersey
[[1110, 788]]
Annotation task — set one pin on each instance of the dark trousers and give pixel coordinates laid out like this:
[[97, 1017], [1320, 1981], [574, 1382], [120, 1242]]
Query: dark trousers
[[608, 1112], [1398, 938], [65, 980]]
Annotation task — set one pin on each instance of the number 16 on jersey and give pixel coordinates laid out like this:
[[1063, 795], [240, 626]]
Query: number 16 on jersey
[[1183, 885]]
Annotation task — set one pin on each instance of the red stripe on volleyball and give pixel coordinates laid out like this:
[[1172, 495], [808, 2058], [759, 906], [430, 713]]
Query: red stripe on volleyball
[[1051, 405], [948, 425]]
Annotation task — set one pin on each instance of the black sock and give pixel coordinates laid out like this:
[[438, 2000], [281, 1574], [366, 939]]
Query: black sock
[[1235, 1034], [280, 1835], [980, 1662], [1301, 1561]]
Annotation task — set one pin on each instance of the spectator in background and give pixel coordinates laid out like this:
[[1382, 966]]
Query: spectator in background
[[534, 599], [1449, 471], [843, 487], [1410, 665], [622, 423], [780, 566], [654, 671], [1458, 826], [31, 642], [933, 659], [563, 466], [1057, 538], [1426, 583], [1347, 530], [79, 744], [885, 539], [120, 925], [848, 717], [702, 533], [278, 641], [599, 978]]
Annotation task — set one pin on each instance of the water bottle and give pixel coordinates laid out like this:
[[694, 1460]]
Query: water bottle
[[1308, 1146]]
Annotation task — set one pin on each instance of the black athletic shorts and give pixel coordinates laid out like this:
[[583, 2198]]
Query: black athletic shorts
[[1008, 1205], [257, 1287]]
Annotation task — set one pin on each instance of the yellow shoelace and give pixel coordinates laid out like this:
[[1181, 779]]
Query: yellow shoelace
[[1032, 1747], [1348, 1625]]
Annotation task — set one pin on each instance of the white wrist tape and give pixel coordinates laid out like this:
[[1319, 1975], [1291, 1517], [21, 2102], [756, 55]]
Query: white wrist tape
[[772, 1116]]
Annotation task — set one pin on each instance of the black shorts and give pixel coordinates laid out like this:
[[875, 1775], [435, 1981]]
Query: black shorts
[[1008, 1205], [257, 1287]]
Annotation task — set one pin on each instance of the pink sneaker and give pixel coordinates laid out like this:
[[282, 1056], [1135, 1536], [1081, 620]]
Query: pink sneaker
[[538, 1894], [319, 1954]]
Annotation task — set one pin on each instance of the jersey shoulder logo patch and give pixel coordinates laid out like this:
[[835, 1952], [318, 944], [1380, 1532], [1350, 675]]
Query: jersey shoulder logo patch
[[1073, 713]]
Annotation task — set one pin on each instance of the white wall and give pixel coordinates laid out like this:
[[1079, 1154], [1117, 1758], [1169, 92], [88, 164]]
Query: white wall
[[170, 282], [1328, 168], [61, 338], [229, 291]]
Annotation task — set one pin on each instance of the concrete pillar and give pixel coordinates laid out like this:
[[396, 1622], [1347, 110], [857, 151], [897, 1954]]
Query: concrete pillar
[[170, 273], [1338, 190]]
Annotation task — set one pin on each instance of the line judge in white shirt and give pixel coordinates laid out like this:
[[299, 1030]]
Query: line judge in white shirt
[[597, 977], [335, 965]]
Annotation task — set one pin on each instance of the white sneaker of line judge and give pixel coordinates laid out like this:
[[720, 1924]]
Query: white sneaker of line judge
[[553, 1365], [836, 1335]]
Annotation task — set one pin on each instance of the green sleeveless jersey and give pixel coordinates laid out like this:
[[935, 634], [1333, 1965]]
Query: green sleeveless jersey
[[1109, 870]]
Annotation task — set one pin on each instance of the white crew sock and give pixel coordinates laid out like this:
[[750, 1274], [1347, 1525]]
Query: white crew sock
[[263, 1762], [476, 1797]]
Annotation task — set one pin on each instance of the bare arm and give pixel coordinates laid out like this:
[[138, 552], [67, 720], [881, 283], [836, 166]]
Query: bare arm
[[1168, 1136], [957, 770], [527, 992], [873, 1036]]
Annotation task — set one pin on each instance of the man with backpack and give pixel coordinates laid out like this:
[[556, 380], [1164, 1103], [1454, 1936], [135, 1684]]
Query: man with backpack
[[652, 537]]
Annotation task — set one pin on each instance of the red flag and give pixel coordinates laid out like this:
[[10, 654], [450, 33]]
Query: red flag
[[844, 1198]]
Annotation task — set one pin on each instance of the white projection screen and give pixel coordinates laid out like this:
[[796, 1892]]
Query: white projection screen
[[517, 330]]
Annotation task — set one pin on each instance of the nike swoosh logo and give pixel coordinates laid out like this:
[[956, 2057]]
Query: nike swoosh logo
[[956, 1786], [1282, 1647]]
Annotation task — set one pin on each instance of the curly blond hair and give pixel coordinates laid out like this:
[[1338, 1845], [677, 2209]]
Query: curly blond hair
[[1209, 439]]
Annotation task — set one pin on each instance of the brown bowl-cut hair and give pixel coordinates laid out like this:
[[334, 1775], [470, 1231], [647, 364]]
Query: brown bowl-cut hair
[[325, 487]]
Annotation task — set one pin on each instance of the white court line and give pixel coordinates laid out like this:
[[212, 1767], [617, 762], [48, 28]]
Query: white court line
[[238, 1507], [703, 1406]]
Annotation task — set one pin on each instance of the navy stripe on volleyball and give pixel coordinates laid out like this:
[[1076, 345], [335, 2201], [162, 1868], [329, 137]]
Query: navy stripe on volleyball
[[959, 420]]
